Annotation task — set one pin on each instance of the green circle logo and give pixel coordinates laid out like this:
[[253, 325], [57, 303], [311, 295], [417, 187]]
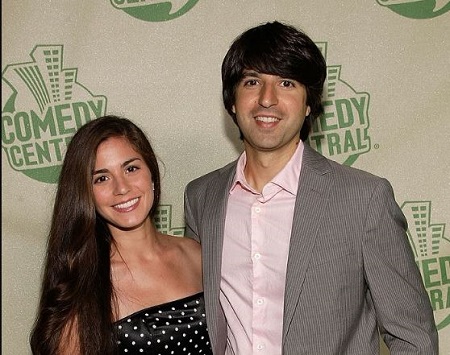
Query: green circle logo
[[341, 133], [46, 104], [417, 9], [154, 11], [430, 248]]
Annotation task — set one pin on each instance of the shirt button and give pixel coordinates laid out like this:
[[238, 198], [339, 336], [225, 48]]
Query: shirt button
[[257, 209], [257, 256], [260, 346], [259, 301]]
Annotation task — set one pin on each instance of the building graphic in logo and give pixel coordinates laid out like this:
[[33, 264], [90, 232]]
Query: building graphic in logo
[[417, 9], [341, 132], [43, 107], [432, 252], [154, 10], [163, 221]]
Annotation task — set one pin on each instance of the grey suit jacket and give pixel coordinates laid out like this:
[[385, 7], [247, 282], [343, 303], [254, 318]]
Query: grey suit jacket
[[351, 273]]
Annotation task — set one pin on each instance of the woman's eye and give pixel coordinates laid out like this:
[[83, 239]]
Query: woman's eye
[[132, 168], [99, 179]]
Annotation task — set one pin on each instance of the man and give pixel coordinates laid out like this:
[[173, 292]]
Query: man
[[301, 255]]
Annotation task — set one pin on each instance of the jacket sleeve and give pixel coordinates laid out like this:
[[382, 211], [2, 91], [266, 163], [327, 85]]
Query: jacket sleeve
[[403, 309], [190, 220]]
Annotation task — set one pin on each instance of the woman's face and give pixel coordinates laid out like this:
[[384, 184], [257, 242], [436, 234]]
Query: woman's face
[[122, 185]]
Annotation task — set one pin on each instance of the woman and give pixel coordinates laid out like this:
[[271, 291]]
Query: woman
[[112, 282]]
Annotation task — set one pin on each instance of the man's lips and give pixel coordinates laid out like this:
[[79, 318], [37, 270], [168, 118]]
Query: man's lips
[[267, 119]]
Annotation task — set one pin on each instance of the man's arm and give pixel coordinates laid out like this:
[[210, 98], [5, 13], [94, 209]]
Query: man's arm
[[404, 312], [190, 222]]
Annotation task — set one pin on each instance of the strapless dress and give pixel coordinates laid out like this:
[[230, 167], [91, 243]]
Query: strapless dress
[[176, 327]]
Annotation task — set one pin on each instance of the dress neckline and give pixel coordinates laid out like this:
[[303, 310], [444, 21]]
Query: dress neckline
[[161, 305]]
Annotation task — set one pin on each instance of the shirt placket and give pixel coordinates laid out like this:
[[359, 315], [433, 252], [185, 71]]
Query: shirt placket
[[259, 299]]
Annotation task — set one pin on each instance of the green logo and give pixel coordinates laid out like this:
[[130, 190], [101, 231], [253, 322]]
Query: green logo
[[341, 132], [44, 108], [417, 9], [163, 221], [428, 243], [154, 10]]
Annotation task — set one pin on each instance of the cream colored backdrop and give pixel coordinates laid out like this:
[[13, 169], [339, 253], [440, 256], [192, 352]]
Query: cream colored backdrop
[[387, 98]]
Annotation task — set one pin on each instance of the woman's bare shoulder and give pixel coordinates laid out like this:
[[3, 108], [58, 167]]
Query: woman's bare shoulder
[[183, 244]]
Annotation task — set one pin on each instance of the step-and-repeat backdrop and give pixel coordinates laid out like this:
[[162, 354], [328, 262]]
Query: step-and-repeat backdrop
[[67, 62]]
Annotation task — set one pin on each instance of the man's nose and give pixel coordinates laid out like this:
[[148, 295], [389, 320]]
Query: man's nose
[[268, 96]]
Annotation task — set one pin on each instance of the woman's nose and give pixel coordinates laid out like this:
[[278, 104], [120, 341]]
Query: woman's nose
[[121, 186]]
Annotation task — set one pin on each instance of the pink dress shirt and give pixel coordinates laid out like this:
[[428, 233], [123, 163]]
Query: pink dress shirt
[[255, 252]]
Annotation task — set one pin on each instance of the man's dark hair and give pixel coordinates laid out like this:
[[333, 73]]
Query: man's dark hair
[[277, 49]]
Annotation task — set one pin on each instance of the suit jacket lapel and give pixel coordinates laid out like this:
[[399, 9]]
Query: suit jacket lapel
[[314, 186]]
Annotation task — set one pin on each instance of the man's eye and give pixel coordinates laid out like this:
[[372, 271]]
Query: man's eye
[[250, 82], [287, 83]]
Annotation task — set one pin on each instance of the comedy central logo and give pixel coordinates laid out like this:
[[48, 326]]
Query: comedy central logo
[[341, 132], [154, 10], [44, 106], [163, 221], [417, 9], [432, 252]]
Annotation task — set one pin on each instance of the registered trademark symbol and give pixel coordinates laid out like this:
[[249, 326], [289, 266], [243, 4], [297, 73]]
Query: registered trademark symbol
[[376, 146]]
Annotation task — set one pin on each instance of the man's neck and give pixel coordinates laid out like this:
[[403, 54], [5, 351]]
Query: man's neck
[[262, 166]]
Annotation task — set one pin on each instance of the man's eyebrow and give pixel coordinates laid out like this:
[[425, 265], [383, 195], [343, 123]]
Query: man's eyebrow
[[249, 72]]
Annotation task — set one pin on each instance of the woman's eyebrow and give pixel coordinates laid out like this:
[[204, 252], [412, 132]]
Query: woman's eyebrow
[[124, 164]]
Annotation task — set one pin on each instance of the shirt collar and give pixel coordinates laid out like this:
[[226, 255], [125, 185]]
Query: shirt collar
[[287, 178]]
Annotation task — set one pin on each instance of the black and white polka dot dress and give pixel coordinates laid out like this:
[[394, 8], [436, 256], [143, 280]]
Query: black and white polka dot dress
[[177, 327]]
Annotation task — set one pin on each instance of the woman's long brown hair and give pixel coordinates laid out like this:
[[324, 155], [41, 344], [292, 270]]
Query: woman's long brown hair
[[76, 287]]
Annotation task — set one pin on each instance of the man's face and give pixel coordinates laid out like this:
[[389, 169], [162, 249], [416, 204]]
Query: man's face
[[270, 111]]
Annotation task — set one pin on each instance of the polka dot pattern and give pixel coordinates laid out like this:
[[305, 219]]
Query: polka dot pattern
[[177, 327]]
